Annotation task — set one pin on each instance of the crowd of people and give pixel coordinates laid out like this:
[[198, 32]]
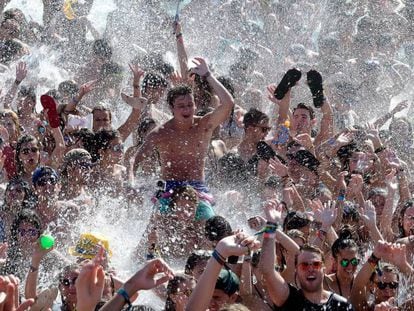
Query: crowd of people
[[299, 201]]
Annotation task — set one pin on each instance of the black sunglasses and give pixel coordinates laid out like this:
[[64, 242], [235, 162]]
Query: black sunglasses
[[390, 285]]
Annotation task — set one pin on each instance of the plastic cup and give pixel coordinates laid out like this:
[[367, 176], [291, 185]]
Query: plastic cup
[[46, 241]]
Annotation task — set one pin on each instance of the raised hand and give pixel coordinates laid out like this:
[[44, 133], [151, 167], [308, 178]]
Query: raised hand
[[392, 253], [154, 273], [201, 67], [176, 78], [89, 285], [237, 245], [328, 214], [87, 87], [271, 91], [135, 102], [373, 135], [21, 72], [389, 305], [9, 295], [256, 222], [273, 211], [368, 213], [344, 138], [305, 140], [45, 299], [400, 107], [137, 71], [278, 167], [390, 179], [356, 184]]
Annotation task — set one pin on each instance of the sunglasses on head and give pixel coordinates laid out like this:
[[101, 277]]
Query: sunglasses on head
[[306, 266], [345, 262], [26, 151], [390, 285], [67, 282]]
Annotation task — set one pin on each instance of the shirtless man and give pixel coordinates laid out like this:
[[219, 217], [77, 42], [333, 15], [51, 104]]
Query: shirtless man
[[182, 142]]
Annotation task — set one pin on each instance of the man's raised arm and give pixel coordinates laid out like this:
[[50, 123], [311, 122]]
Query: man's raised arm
[[222, 112]]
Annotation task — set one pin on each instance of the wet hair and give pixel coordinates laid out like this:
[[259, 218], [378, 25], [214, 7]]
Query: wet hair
[[144, 128], [86, 136], [344, 241], [254, 117], [10, 113], [10, 49], [295, 220], [102, 140], [111, 68], [13, 13], [68, 87], [228, 84], [194, 259], [217, 228], [384, 268], [377, 191], [27, 91], [272, 182], [152, 81], [102, 108], [18, 181], [102, 48], [25, 215], [407, 205], [23, 140], [311, 249], [175, 92], [306, 107], [296, 234], [172, 288]]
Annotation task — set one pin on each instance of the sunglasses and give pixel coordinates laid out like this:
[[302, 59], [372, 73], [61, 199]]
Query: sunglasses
[[390, 285], [117, 148], [306, 266], [345, 262], [67, 282], [31, 232], [26, 151]]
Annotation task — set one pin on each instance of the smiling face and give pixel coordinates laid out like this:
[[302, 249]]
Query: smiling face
[[310, 271], [183, 108], [345, 262], [302, 122]]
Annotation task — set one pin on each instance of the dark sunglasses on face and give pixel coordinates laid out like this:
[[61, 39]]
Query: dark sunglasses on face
[[305, 266], [390, 285], [346, 262], [67, 282], [31, 232], [26, 151]]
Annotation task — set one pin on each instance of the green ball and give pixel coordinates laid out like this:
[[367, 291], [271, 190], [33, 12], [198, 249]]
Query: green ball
[[46, 241]]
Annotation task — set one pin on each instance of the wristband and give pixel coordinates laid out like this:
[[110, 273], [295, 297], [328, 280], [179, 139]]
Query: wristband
[[122, 292], [341, 197], [33, 269], [220, 259], [178, 35], [267, 235], [208, 74], [373, 259]]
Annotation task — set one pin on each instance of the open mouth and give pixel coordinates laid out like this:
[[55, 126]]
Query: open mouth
[[311, 278]]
